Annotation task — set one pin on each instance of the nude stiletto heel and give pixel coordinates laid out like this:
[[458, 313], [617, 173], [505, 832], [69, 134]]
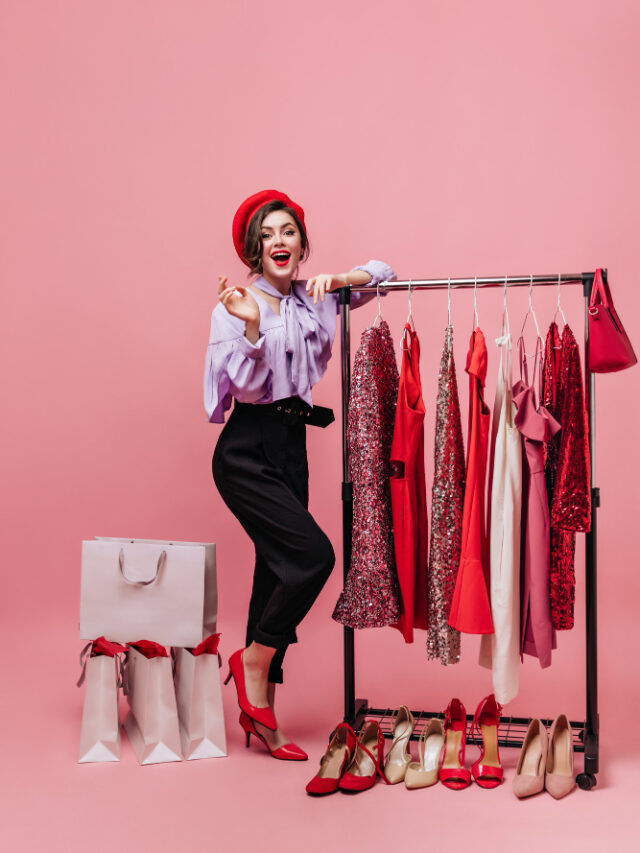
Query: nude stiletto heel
[[398, 758], [423, 773], [559, 779], [529, 778]]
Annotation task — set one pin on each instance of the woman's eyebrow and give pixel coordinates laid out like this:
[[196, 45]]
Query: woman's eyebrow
[[286, 225]]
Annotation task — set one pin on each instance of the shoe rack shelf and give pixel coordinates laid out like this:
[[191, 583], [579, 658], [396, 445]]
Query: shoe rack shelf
[[512, 729]]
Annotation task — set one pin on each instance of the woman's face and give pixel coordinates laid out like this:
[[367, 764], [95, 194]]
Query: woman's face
[[281, 246]]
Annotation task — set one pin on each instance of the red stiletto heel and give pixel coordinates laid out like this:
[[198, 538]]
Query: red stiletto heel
[[334, 762], [264, 716], [487, 770], [287, 752], [367, 760], [452, 771]]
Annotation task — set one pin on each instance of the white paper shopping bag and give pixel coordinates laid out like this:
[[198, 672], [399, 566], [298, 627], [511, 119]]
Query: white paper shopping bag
[[199, 699], [100, 731], [148, 588], [152, 722]]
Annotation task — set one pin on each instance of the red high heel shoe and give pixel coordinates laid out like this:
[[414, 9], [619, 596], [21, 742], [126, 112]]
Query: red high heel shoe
[[487, 770], [452, 771], [287, 752], [264, 716], [334, 762], [367, 760]]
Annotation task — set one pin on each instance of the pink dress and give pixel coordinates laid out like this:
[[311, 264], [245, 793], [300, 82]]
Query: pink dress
[[537, 426]]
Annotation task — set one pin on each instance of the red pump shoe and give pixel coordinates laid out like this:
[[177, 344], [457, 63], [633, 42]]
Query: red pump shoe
[[334, 762], [367, 760], [264, 716], [287, 752], [452, 771], [487, 770]]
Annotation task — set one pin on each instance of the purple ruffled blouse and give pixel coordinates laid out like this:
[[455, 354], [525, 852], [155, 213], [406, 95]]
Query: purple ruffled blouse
[[292, 350]]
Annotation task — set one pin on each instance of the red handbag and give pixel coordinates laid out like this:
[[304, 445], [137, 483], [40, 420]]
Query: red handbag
[[609, 347]]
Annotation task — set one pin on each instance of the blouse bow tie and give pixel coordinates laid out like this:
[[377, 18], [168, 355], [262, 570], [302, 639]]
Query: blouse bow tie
[[299, 325]]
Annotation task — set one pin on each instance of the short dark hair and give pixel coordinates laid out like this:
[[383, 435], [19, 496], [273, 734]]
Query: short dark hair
[[252, 249]]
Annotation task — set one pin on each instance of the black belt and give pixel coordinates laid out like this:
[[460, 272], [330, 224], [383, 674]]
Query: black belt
[[292, 410]]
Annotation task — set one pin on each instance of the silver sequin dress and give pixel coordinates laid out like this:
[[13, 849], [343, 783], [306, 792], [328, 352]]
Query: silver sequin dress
[[370, 598], [447, 502]]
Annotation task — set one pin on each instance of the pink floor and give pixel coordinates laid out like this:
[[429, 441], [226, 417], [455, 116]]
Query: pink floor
[[248, 800]]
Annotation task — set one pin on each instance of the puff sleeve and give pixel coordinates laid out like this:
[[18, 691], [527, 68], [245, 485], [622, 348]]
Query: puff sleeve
[[379, 272], [234, 367]]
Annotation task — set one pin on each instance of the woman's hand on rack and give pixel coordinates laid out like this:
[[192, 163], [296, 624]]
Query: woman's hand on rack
[[239, 303], [321, 284]]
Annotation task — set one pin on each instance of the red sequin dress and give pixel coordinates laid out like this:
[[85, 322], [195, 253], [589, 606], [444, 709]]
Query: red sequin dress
[[370, 597], [566, 466]]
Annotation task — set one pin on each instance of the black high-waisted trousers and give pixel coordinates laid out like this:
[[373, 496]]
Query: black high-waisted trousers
[[260, 469]]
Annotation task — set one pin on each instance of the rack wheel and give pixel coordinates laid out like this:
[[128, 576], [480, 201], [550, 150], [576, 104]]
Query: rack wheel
[[586, 781]]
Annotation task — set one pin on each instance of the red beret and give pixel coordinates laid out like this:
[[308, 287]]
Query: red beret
[[250, 206]]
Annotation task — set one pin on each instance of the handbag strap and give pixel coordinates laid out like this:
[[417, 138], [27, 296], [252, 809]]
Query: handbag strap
[[599, 289], [161, 561], [120, 657], [84, 654]]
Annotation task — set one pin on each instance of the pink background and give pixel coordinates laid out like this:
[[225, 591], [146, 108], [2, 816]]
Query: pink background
[[444, 138]]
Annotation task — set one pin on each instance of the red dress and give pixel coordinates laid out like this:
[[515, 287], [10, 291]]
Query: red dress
[[408, 491], [470, 606], [566, 465]]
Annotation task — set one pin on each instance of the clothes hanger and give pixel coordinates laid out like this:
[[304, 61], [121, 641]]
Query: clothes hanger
[[475, 303], [408, 322], [379, 314], [559, 309], [505, 311], [410, 315], [449, 303], [531, 310]]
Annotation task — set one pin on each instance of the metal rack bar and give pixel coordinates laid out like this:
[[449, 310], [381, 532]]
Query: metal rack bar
[[480, 281], [585, 734]]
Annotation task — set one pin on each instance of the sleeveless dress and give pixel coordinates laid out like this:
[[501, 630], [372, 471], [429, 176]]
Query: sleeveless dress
[[447, 499], [536, 424], [370, 597], [409, 491], [470, 606], [500, 651]]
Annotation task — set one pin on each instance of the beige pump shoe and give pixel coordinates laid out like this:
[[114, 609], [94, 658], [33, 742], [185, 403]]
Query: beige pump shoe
[[398, 758], [529, 778], [424, 772], [560, 779]]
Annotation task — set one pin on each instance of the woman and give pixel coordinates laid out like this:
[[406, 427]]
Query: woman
[[270, 343]]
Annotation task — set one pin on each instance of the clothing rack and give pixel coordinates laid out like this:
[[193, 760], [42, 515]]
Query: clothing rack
[[512, 729]]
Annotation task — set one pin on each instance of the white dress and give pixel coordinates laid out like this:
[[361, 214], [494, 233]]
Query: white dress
[[500, 651]]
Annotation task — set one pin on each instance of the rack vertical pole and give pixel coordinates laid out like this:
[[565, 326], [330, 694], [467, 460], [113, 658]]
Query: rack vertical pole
[[591, 733], [344, 295]]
